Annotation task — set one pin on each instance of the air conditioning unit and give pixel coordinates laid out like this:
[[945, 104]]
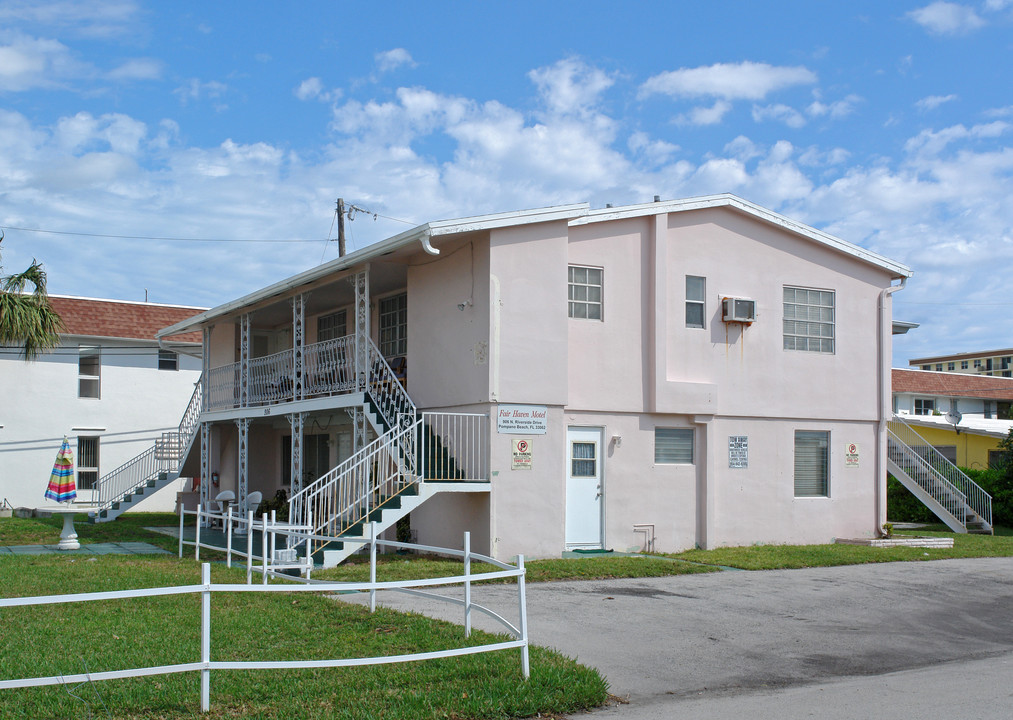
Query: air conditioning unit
[[738, 310]]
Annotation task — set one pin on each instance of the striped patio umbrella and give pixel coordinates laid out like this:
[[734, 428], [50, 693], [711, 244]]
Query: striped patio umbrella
[[61, 482]]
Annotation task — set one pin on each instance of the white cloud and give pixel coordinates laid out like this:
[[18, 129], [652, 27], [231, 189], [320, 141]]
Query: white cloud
[[570, 85], [656, 152], [834, 110], [137, 69], [947, 18], [87, 18], [929, 142], [195, 90], [27, 63], [313, 89], [730, 81], [392, 59], [705, 115], [933, 101], [779, 113]]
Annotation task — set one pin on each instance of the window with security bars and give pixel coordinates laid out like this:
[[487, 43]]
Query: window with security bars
[[585, 292], [696, 301], [812, 463], [89, 372], [332, 327], [673, 446], [583, 462], [87, 463], [394, 326], [809, 320]]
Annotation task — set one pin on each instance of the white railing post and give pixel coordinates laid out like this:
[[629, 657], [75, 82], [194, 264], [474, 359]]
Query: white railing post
[[182, 515], [196, 536], [467, 584], [523, 622], [205, 638], [309, 543], [263, 545], [249, 547], [228, 539], [372, 567]]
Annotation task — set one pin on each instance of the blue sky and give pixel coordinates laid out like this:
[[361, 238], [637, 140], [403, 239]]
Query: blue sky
[[886, 124]]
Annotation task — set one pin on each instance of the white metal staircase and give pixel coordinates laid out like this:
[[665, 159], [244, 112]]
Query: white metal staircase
[[941, 486], [150, 471], [414, 456]]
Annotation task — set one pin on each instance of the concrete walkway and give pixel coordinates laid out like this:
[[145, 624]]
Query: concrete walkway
[[926, 640], [126, 548]]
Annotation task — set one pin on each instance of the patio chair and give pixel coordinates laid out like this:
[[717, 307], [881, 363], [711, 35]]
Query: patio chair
[[221, 503], [253, 501]]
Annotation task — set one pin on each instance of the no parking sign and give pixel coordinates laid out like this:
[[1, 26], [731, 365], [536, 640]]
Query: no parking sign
[[851, 455], [521, 454]]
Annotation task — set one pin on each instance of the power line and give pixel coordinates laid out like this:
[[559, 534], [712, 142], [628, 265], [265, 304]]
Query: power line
[[155, 237]]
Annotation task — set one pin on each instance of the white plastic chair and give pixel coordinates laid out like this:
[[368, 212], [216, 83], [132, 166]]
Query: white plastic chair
[[223, 500], [253, 501]]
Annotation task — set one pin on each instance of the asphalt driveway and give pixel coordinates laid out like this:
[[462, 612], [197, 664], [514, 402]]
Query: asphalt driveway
[[736, 639]]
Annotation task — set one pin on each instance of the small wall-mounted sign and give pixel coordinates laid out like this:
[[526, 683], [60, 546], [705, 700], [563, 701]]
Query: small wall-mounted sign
[[521, 454], [522, 419], [738, 451], [851, 455]]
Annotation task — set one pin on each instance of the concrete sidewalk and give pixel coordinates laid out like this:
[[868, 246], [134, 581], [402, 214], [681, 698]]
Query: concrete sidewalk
[[126, 548], [697, 644]]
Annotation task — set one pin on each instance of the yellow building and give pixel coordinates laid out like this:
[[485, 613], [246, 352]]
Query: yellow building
[[974, 446]]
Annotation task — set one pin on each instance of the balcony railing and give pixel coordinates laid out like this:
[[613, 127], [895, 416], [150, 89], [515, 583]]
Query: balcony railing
[[328, 369]]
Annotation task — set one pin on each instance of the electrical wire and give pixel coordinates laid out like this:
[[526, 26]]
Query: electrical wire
[[154, 237]]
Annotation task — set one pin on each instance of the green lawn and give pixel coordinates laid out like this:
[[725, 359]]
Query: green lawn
[[128, 527], [774, 557], [107, 635]]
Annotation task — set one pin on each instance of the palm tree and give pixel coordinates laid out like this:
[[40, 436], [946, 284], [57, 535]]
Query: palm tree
[[27, 320]]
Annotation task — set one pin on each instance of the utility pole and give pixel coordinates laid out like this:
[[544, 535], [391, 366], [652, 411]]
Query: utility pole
[[341, 227]]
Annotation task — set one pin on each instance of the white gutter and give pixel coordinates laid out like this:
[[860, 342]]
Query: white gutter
[[426, 245]]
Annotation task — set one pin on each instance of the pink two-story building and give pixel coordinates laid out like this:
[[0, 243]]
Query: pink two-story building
[[699, 372]]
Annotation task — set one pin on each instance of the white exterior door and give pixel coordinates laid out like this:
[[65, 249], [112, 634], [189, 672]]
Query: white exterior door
[[584, 488]]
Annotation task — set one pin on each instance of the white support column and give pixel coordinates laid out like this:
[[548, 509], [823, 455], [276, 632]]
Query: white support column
[[296, 422], [361, 282], [206, 367], [244, 462], [298, 345], [205, 464], [244, 360]]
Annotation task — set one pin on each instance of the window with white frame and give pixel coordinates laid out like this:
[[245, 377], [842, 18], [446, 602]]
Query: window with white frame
[[168, 360], [583, 459], [332, 326], [585, 292], [963, 364], [696, 301], [925, 406], [812, 463], [809, 320], [394, 325], [89, 372], [673, 446], [87, 463]]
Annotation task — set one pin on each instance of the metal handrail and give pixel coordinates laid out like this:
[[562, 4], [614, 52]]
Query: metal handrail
[[969, 496], [390, 396]]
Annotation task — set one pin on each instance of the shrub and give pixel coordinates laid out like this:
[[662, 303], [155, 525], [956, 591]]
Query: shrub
[[902, 506]]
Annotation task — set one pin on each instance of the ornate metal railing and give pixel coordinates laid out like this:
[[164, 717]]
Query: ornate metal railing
[[329, 367], [270, 379]]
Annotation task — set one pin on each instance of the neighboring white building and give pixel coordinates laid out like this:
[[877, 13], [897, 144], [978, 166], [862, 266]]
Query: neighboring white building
[[109, 386]]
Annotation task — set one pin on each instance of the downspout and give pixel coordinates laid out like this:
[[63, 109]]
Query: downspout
[[884, 381], [426, 245]]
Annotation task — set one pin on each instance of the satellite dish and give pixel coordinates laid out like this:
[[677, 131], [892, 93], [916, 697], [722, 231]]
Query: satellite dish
[[953, 416]]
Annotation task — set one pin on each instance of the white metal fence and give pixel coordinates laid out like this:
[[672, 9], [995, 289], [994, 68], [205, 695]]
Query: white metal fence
[[206, 589]]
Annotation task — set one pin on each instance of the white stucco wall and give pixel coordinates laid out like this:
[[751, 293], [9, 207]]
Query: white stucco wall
[[40, 405]]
